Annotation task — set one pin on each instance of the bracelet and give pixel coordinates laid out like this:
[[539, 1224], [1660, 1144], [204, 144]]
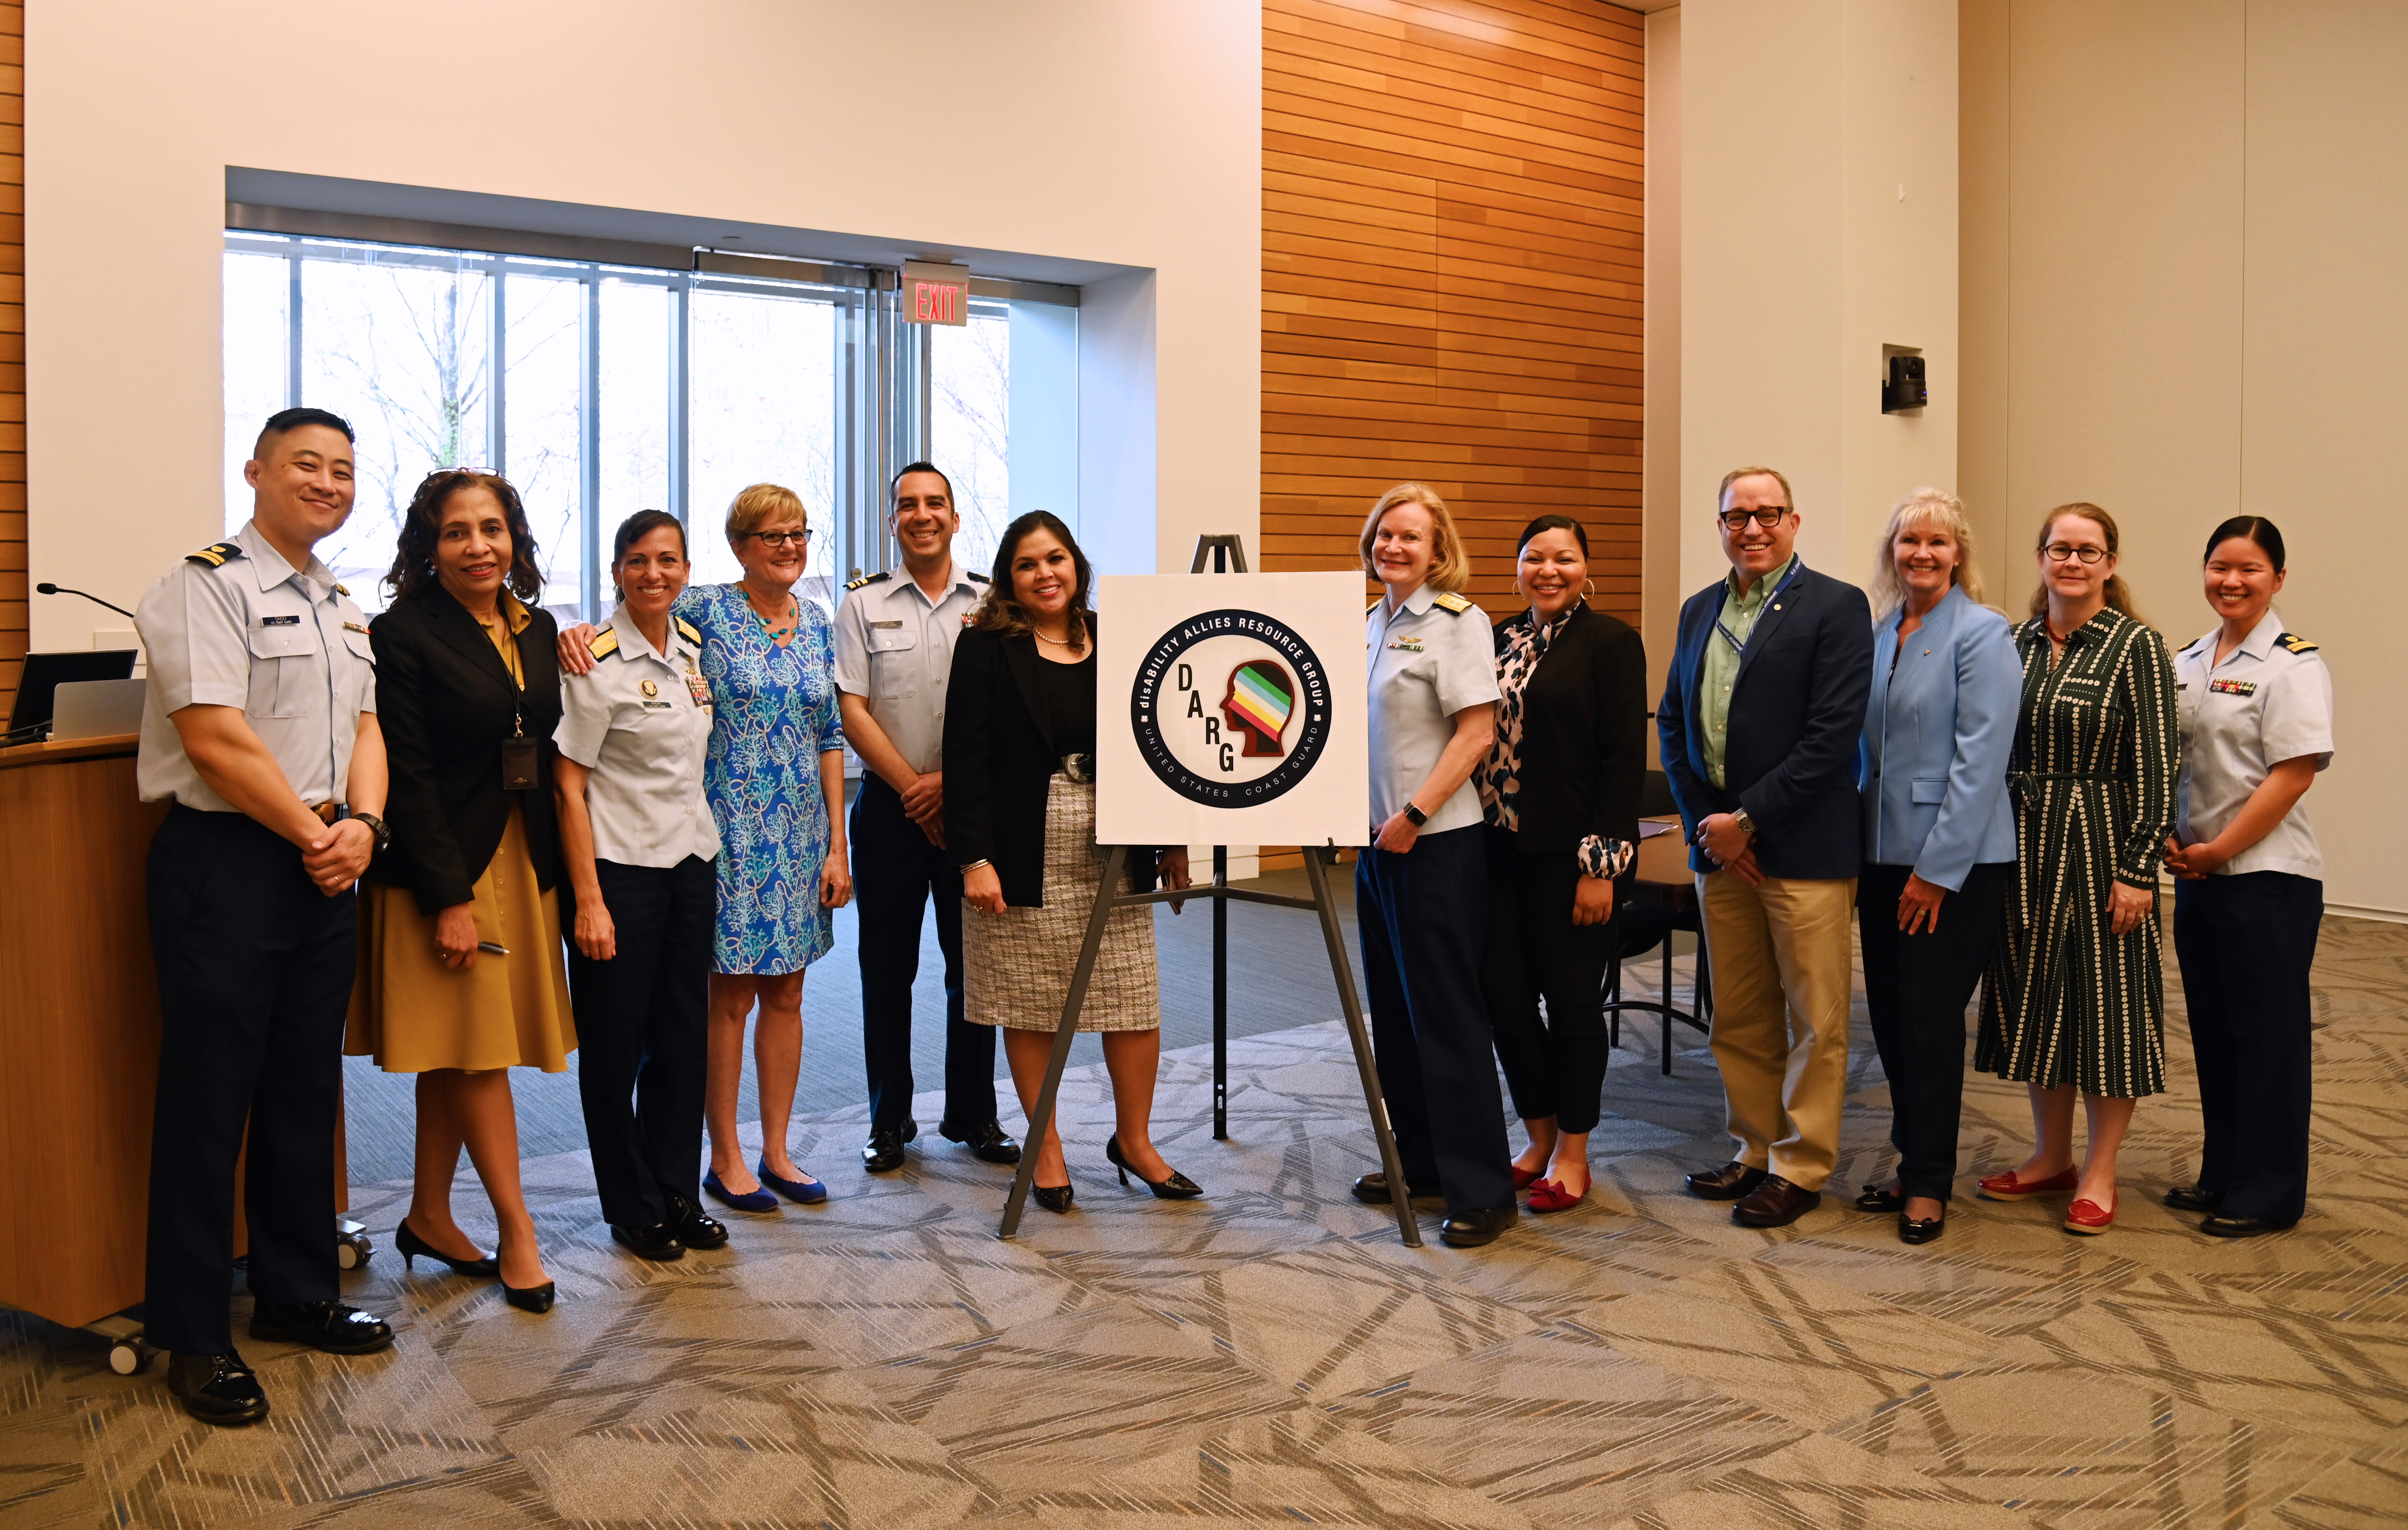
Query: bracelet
[[975, 865]]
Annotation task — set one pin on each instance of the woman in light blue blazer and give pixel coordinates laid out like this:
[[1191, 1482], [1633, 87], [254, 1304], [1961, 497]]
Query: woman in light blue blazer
[[1940, 836]]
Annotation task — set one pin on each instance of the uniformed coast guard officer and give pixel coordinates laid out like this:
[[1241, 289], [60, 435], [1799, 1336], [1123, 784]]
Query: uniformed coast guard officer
[[2256, 704], [893, 651], [639, 841], [260, 725], [1421, 890]]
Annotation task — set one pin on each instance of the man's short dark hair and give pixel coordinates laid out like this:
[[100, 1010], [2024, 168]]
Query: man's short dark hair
[[285, 420], [922, 468]]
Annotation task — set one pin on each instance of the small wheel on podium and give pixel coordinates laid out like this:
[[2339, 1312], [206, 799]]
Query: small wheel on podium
[[130, 1356], [352, 1250]]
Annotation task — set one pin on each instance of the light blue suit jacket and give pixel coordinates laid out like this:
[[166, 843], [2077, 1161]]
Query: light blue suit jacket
[[1938, 732]]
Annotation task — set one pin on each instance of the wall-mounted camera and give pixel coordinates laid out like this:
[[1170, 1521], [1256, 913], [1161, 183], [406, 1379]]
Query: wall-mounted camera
[[1903, 385]]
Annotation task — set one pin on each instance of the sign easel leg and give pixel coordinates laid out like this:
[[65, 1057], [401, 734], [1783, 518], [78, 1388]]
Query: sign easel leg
[[1399, 1194], [1220, 997], [1041, 1120]]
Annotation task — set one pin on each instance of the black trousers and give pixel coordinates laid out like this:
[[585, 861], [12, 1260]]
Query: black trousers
[[1916, 988], [2245, 943], [1424, 920], [254, 969], [1555, 1066], [896, 871], [642, 1027]]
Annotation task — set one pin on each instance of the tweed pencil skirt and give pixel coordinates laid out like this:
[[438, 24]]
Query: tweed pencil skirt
[[1016, 965]]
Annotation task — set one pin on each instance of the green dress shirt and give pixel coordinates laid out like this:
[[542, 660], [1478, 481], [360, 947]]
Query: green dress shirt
[[1721, 669]]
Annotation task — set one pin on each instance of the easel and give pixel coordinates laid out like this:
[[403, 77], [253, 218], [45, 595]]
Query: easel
[[1227, 554]]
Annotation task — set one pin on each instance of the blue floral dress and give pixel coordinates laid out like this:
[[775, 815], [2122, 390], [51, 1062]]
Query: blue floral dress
[[774, 714]]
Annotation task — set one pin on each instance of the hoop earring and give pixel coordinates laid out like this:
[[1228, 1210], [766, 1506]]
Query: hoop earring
[[1590, 586]]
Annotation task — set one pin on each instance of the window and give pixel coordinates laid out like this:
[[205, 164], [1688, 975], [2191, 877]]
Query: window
[[601, 390]]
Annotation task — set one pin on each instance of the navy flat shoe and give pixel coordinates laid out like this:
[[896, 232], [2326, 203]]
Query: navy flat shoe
[[804, 1191], [752, 1200]]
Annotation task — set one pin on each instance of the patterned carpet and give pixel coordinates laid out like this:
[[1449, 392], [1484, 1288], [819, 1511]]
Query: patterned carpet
[[1272, 1355]]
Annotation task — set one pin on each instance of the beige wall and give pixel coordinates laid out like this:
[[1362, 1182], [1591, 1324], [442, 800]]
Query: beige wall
[[1095, 130], [2182, 231]]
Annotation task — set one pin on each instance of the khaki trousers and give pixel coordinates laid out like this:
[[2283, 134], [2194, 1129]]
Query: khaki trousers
[[1781, 978]]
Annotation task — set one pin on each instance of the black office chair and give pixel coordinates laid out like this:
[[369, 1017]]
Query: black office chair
[[1645, 923]]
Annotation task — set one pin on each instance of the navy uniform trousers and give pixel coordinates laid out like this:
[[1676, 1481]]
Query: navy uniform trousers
[[642, 1034], [1424, 920], [2245, 943], [896, 871], [254, 969]]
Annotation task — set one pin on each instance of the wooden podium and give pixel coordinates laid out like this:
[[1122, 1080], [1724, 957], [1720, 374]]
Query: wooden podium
[[79, 1038]]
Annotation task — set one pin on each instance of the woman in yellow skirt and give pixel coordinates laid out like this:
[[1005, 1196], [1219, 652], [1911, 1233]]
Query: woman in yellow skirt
[[460, 976]]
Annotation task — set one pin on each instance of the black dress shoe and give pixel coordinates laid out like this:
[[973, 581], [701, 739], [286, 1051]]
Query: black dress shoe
[[1727, 1183], [884, 1150], [694, 1227], [658, 1243], [1474, 1228], [2239, 1227], [217, 1389], [1920, 1229], [1877, 1199], [2191, 1198], [335, 1327], [1054, 1197], [1177, 1188], [988, 1144], [1775, 1202], [1372, 1190]]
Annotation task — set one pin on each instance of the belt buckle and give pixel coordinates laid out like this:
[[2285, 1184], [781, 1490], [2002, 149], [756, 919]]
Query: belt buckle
[[327, 813], [1080, 769]]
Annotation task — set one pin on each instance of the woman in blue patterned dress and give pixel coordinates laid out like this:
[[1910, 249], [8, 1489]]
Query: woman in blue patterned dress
[[774, 776]]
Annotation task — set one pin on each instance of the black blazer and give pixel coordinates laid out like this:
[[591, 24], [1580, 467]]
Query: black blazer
[[1583, 733], [1796, 712], [1000, 759], [445, 701]]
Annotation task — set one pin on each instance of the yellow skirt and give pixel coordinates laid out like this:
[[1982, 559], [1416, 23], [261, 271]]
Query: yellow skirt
[[413, 1015]]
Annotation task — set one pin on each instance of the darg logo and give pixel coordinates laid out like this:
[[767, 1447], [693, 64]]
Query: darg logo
[[1230, 708]]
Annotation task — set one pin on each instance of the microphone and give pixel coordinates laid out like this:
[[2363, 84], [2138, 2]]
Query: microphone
[[48, 588]]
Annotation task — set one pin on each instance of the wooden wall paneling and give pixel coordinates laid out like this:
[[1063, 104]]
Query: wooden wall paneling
[[16, 618]]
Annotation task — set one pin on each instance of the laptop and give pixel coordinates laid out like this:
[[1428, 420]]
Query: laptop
[[37, 686]]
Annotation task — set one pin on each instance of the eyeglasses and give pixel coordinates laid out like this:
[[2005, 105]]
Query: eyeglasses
[[2059, 551], [780, 539], [1766, 516]]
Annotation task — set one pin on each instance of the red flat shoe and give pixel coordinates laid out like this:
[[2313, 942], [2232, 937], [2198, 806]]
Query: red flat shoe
[[1524, 1178], [2086, 1218], [2006, 1187], [1550, 1195]]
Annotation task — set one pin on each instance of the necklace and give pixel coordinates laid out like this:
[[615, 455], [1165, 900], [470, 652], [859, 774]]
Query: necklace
[[777, 629], [1058, 643]]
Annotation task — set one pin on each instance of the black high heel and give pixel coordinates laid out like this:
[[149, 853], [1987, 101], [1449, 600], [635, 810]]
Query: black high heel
[[1053, 1197], [407, 1243], [1177, 1188], [535, 1299]]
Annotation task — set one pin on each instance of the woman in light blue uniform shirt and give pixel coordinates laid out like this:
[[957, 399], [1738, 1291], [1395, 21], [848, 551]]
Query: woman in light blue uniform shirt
[[1940, 836]]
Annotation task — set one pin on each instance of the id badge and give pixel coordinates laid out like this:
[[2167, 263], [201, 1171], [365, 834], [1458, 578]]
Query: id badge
[[519, 760]]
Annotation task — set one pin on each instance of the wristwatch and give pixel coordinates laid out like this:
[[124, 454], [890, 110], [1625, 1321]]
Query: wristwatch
[[1746, 824], [1415, 816], [382, 830]]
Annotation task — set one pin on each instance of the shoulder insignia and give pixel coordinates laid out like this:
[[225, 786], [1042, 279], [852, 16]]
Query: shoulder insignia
[[2296, 643], [217, 555], [605, 644], [978, 578], [690, 632], [342, 589], [867, 579], [1452, 602]]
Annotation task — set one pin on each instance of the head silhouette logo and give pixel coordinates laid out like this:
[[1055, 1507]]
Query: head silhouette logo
[[1250, 737]]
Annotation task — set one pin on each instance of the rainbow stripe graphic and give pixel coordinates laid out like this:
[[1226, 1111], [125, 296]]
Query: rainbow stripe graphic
[[1263, 697]]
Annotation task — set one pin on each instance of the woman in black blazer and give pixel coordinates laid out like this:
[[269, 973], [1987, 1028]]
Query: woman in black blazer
[[1560, 791], [461, 975], [1020, 819]]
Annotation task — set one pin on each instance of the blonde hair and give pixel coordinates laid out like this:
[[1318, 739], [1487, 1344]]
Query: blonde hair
[[2119, 595], [1722, 495], [1925, 506], [1450, 565], [760, 505]]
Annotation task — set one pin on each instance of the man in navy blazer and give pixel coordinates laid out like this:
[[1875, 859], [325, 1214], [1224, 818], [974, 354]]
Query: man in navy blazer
[[1758, 727]]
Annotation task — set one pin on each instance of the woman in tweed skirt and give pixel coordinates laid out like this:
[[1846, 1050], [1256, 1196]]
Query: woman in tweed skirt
[[2075, 999], [1020, 818]]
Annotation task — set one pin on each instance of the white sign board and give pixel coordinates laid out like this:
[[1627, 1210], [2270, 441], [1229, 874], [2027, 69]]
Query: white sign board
[[1229, 710]]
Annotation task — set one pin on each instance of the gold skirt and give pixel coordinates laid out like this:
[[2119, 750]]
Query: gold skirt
[[414, 1015]]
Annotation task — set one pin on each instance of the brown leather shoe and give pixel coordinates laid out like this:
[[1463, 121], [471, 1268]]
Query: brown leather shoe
[[1776, 1202], [1727, 1183]]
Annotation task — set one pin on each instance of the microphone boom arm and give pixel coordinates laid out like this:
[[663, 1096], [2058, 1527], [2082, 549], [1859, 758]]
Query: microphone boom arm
[[48, 588]]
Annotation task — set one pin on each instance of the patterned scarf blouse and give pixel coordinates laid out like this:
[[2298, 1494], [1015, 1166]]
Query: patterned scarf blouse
[[1500, 774]]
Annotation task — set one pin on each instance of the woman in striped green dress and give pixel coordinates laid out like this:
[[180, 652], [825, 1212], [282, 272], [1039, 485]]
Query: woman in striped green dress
[[2074, 1000]]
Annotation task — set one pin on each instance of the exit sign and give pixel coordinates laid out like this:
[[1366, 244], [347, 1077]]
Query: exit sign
[[935, 294]]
